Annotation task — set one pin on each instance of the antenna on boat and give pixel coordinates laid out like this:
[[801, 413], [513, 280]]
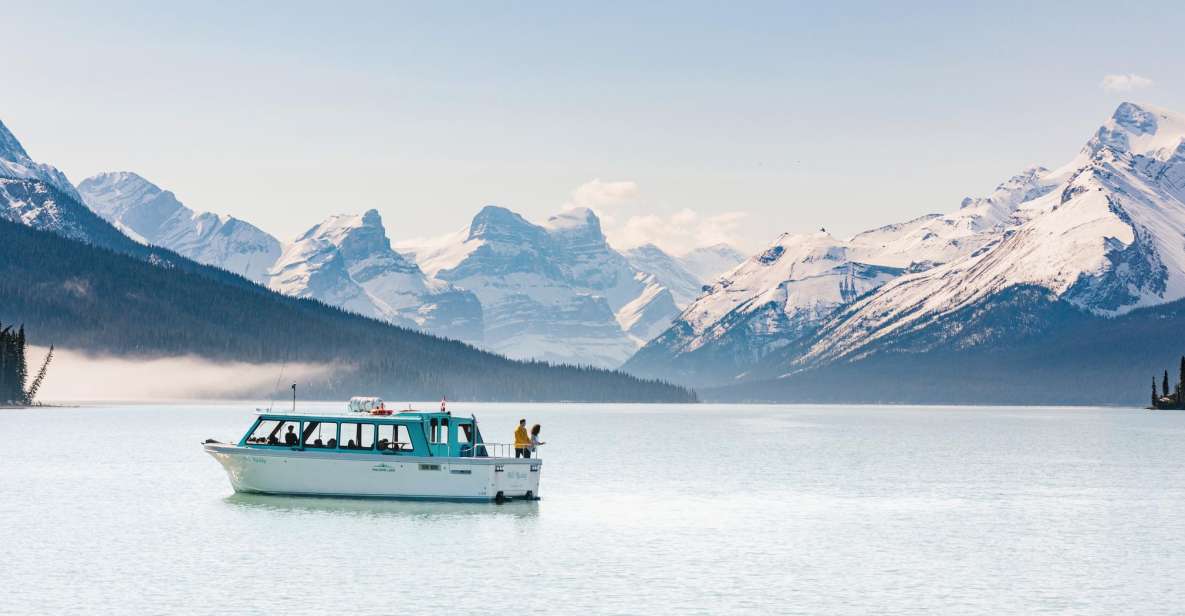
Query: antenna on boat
[[276, 389], [294, 397]]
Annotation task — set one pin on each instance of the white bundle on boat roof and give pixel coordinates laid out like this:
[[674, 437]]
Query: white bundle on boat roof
[[365, 404]]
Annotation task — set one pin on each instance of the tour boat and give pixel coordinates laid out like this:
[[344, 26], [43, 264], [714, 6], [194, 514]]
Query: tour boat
[[376, 453]]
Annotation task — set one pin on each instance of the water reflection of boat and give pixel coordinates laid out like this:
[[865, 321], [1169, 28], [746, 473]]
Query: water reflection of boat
[[372, 507], [407, 455]]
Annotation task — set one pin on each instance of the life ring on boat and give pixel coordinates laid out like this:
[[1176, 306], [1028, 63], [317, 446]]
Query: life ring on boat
[[381, 411]]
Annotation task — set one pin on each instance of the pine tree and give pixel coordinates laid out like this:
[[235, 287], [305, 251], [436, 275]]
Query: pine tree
[[1164, 385], [31, 395], [1181, 384], [1154, 398], [21, 372], [3, 365]]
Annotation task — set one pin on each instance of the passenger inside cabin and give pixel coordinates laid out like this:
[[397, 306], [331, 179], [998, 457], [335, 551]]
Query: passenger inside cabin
[[318, 443], [332, 443], [351, 444], [290, 436], [384, 444]]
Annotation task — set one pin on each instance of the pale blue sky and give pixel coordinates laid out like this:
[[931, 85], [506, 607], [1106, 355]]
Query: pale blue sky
[[798, 115]]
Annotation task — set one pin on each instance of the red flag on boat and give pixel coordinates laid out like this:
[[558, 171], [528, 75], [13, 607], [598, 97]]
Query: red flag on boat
[[443, 403]]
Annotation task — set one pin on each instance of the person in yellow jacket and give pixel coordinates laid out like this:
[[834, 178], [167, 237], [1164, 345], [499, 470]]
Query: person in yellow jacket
[[522, 440]]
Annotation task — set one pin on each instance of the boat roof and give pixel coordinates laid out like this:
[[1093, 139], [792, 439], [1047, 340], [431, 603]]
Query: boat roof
[[405, 415]]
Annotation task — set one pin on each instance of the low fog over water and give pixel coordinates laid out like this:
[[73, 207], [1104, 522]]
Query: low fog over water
[[75, 376]]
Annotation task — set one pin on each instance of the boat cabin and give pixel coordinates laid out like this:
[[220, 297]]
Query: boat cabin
[[409, 433]]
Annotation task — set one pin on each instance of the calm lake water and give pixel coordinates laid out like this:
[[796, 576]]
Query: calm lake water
[[646, 509]]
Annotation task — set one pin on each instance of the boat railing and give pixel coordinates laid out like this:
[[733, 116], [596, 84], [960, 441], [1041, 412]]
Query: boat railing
[[492, 450]]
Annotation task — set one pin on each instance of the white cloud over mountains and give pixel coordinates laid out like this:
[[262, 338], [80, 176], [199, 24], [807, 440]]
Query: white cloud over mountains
[[599, 193], [616, 201], [1125, 83]]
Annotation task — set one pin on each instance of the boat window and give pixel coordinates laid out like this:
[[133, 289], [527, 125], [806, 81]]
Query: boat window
[[394, 438], [276, 432], [439, 431], [464, 433], [262, 431], [356, 436], [320, 434], [288, 434]]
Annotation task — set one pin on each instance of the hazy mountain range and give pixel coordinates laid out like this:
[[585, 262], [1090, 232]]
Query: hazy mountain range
[[77, 281], [556, 291], [1096, 239], [1053, 259]]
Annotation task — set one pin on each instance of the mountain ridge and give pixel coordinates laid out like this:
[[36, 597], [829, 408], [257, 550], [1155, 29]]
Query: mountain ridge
[[1099, 234]]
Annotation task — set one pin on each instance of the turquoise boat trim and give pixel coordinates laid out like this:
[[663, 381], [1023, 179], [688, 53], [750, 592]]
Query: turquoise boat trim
[[431, 434], [363, 456]]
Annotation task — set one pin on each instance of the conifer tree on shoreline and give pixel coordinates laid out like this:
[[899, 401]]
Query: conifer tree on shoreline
[[14, 368]]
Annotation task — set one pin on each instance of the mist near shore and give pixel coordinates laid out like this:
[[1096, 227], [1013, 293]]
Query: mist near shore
[[75, 376]]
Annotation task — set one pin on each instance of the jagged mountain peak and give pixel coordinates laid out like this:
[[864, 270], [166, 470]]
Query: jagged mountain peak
[[112, 193], [580, 220], [15, 163], [1139, 130], [10, 146], [498, 223], [347, 260]]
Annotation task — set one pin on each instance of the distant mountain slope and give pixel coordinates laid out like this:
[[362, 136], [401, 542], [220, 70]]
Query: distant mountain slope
[[146, 212], [668, 271], [347, 261], [709, 262], [1043, 351], [84, 297]]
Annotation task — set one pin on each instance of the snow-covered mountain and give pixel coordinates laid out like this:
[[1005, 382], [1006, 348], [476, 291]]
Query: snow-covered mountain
[[347, 261], [16, 164], [154, 216], [556, 291], [37, 195], [1102, 233], [787, 291]]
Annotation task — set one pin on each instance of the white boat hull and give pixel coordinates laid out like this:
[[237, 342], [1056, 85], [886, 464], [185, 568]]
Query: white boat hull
[[315, 473]]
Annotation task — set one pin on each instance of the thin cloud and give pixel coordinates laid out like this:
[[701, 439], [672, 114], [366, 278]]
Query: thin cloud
[[598, 193], [678, 233], [627, 226], [1125, 83]]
